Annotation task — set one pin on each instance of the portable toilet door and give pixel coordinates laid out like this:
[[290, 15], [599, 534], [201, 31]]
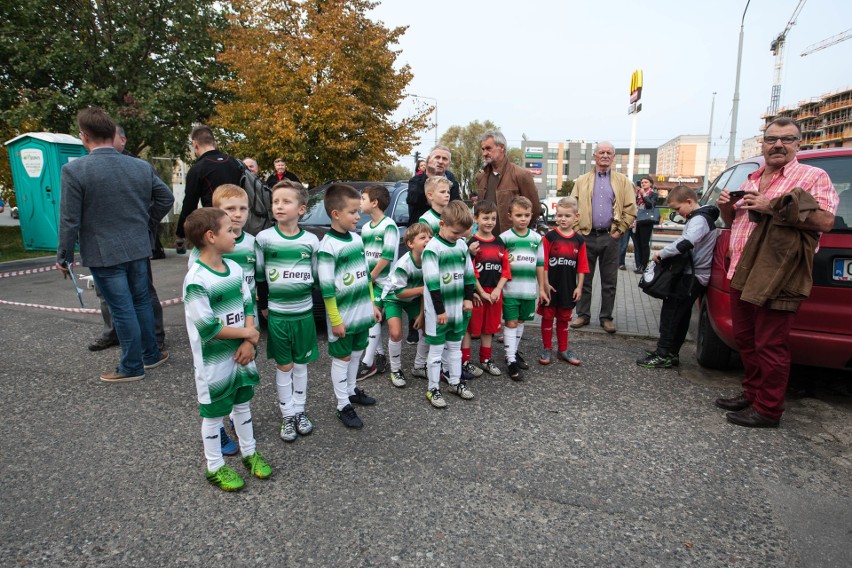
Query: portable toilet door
[[37, 159]]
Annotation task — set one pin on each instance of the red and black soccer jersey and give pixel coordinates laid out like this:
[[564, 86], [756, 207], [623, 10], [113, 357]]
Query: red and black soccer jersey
[[491, 263], [564, 258]]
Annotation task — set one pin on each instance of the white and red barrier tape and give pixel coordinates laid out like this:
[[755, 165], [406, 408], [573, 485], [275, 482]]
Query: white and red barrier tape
[[32, 271], [171, 302]]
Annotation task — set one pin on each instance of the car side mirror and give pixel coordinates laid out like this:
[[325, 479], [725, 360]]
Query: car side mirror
[[675, 218]]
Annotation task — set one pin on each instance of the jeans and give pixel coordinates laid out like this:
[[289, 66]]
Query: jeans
[[125, 288], [622, 251], [108, 333]]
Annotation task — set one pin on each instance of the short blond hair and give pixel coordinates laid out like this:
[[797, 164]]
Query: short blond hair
[[416, 229], [227, 191], [297, 188], [457, 214], [568, 203], [432, 184], [520, 201]]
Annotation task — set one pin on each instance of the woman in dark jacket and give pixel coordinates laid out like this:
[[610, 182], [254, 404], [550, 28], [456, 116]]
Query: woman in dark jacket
[[646, 200]]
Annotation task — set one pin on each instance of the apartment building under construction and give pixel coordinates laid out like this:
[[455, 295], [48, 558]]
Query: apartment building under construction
[[826, 121]]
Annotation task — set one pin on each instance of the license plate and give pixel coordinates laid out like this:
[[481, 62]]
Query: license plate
[[843, 269]]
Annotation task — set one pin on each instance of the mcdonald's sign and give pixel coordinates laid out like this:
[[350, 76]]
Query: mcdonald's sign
[[636, 86]]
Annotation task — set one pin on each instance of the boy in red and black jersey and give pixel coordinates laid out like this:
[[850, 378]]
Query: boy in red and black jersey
[[566, 265], [491, 268]]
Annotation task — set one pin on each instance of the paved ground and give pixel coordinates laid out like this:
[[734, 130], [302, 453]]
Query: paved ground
[[6, 220], [602, 465]]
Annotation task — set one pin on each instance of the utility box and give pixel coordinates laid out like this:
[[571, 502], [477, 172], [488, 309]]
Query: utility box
[[37, 159]]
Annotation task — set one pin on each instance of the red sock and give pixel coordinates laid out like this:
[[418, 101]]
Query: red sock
[[465, 354], [547, 332], [561, 333], [484, 353]]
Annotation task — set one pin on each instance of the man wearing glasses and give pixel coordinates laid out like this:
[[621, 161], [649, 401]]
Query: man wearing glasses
[[761, 327]]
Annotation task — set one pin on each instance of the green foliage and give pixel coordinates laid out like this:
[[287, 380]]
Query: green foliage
[[397, 173], [566, 189], [516, 156], [463, 142], [12, 245]]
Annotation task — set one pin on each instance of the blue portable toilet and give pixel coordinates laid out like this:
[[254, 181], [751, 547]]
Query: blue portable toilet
[[37, 159]]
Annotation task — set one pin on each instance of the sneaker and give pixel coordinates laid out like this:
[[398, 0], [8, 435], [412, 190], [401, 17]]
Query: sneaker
[[101, 343], [413, 337], [489, 367], [164, 356], [655, 361], [349, 418], [362, 398], [436, 398], [304, 426], [229, 447], [461, 390], [675, 359], [381, 364], [226, 479], [568, 356], [515, 372], [522, 363], [257, 466], [116, 377], [397, 378], [419, 372], [365, 372], [472, 369], [288, 429], [444, 377], [545, 358]]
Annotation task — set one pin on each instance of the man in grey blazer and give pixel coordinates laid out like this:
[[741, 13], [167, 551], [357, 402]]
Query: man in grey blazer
[[105, 206]]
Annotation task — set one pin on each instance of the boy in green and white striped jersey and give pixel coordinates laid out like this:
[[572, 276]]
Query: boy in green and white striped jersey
[[286, 264], [348, 295], [437, 190]]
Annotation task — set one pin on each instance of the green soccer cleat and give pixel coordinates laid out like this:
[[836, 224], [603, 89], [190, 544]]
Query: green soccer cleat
[[257, 465], [226, 479]]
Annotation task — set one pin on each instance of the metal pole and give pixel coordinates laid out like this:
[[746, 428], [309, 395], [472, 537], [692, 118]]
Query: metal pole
[[632, 153], [736, 107], [709, 144]]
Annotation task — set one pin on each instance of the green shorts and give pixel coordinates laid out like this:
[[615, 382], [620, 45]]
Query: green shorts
[[224, 406], [516, 309], [445, 333], [292, 339], [340, 347], [377, 297], [395, 308]]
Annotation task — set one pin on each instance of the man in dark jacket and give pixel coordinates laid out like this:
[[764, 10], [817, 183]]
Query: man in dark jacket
[[437, 164], [281, 173]]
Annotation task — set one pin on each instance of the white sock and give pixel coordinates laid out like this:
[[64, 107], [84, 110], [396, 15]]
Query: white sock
[[243, 428], [373, 344], [433, 365], [445, 361], [300, 387], [339, 371], [454, 356], [395, 350], [520, 329], [352, 373], [510, 340], [284, 385], [422, 352], [380, 348], [210, 428]]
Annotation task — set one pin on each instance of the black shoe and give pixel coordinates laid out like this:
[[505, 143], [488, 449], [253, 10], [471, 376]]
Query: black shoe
[[751, 418], [515, 372], [158, 254], [100, 344], [365, 372], [733, 404], [349, 417], [413, 337], [381, 363], [362, 398], [655, 361], [522, 363]]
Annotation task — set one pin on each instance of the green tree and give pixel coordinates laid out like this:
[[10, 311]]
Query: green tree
[[566, 189], [463, 142], [397, 172], [317, 82], [516, 156], [149, 63]]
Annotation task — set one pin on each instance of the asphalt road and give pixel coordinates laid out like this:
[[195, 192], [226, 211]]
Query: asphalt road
[[602, 465]]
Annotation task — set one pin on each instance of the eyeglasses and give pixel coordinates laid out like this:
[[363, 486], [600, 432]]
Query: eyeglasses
[[786, 140]]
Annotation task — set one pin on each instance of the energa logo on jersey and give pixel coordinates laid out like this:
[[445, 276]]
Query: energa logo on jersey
[[305, 255], [250, 259], [274, 275], [348, 279], [447, 278], [511, 257]]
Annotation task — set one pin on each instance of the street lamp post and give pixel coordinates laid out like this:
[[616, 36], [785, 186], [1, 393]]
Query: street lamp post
[[737, 92], [709, 144], [436, 113]]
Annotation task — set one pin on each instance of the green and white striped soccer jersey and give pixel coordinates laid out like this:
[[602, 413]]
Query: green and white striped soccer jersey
[[243, 254], [432, 218], [380, 242], [342, 274], [404, 275], [289, 265], [446, 267], [526, 253], [213, 300]]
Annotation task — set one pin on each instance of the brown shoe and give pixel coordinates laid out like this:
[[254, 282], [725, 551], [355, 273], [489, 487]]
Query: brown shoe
[[751, 418], [733, 404], [164, 356], [608, 326], [116, 377], [581, 321]]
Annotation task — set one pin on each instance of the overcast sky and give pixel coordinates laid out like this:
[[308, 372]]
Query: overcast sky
[[560, 69]]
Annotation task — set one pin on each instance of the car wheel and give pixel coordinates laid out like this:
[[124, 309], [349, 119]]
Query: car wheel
[[711, 352]]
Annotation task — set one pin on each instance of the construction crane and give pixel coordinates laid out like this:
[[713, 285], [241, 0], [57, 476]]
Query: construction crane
[[843, 36], [777, 49]]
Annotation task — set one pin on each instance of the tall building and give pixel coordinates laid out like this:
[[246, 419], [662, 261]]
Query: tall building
[[644, 161], [751, 147], [826, 121], [684, 156]]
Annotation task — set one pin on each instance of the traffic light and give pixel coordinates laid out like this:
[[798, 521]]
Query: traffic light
[[416, 160]]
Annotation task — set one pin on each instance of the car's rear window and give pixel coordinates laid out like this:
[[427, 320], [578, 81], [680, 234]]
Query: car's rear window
[[839, 169]]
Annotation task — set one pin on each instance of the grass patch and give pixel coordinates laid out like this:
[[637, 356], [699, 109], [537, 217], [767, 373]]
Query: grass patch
[[12, 246]]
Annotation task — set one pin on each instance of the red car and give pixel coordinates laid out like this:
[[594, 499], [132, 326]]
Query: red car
[[822, 331]]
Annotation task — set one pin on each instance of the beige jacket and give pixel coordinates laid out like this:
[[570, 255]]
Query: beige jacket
[[624, 202]]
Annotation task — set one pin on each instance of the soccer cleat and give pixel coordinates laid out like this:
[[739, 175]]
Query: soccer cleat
[[472, 369], [304, 426], [349, 417], [489, 367], [381, 364], [362, 398], [288, 429], [229, 447], [461, 390], [413, 337], [675, 359], [522, 363], [436, 398], [655, 361], [257, 466], [444, 377], [568, 356], [397, 378], [365, 372], [419, 372], [515, 372], [226, 479], [545, 358]]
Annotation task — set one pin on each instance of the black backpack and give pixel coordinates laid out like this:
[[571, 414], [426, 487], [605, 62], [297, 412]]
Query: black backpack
[[664, 279], [259, 202]]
